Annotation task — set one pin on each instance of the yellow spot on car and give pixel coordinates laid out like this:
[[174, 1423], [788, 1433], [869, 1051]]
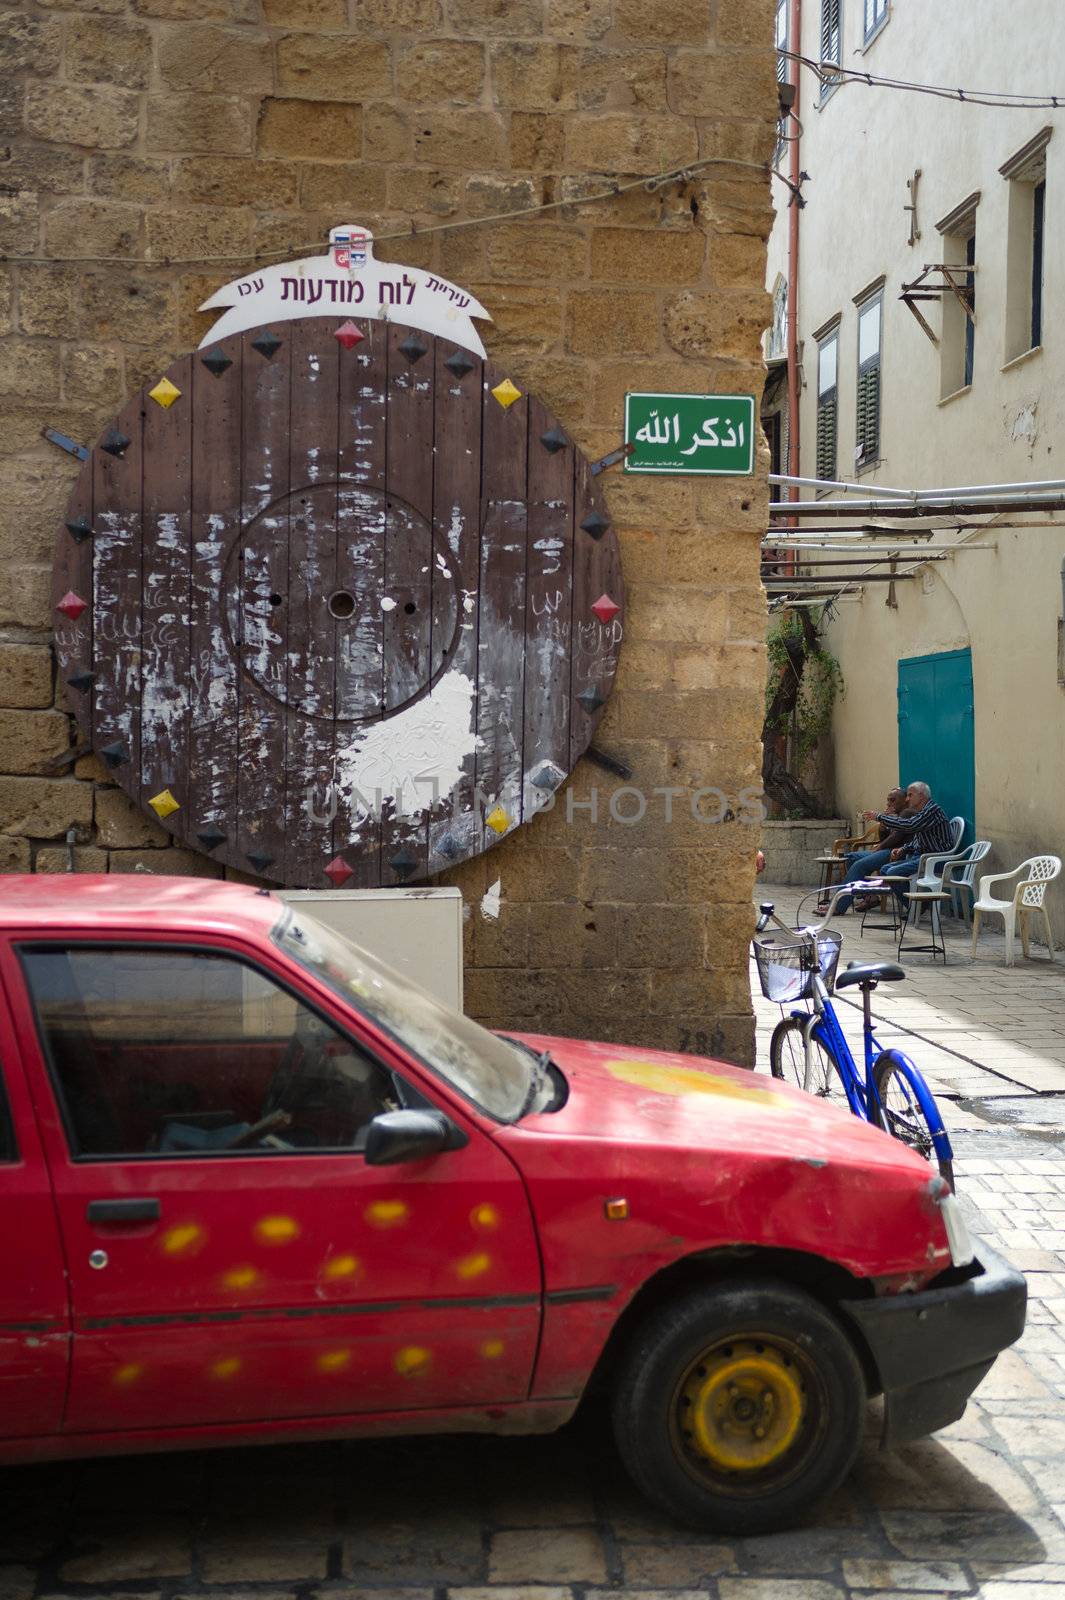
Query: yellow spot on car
[[225, 1367], [387, 1213], [240, 1277], [680, 1081], [182, 1238], [333, 1360], [412, 1360], [485, 1216], [277, 1230], [492, 1349], [128, 1374], [341, 1267], [474, 1266]]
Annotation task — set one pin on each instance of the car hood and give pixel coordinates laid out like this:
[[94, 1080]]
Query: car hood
[[629, 1095]]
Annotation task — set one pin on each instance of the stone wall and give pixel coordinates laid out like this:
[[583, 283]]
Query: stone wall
[[194, 133], [791, 849]]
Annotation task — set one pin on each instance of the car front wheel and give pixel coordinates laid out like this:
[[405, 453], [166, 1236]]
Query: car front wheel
[[739, 1405]]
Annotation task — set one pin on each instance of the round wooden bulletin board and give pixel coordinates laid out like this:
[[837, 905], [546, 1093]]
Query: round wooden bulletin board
[[337, 602]]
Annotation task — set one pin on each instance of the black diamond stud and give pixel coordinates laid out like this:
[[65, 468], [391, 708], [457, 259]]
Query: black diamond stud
[[267, 344], [80, 529], [459, 363], [591, 699], [115, 754], [115, 443], [449, 847], [260, 860], [82, 681], [553, 441], [216, 361], [212, 836], [595, 524], [403, 863], [547, 777], [414, 348]]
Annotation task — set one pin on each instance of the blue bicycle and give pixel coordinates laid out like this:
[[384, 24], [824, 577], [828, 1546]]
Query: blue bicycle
[[808, 1046]]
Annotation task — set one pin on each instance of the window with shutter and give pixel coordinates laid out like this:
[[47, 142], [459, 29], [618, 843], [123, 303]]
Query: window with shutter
[[831, 42], [867, 422], [875, 14], [782, 74], [827, 405]]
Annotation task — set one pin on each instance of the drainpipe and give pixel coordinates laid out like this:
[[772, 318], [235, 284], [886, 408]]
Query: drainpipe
[[794, 213]]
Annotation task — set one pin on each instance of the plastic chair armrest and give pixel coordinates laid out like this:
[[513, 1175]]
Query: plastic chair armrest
[[999, 877]]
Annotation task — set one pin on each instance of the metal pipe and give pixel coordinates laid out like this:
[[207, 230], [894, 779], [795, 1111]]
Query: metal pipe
[[857, 561], [972, 491], [861, 577], [794, 213], [924, 511], [839, 484]]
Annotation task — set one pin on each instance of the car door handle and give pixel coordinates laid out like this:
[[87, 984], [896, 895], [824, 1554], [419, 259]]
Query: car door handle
[[123, 1210]]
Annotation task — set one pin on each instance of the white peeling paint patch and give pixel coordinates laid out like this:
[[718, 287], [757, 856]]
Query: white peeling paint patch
[[490, 901], [1024, 427], [454, 533], [417, 754], [388, 604], [468, 600], [444, 568]]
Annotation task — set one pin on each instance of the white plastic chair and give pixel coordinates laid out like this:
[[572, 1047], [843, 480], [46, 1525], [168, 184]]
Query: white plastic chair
[[1028, 897], [959, 874], [926, 878]]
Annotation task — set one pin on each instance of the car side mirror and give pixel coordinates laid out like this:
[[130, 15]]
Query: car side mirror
[[397, 1136]]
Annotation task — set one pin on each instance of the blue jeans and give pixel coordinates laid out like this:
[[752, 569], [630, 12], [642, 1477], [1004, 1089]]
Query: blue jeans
[[862, 865], [903, 869]]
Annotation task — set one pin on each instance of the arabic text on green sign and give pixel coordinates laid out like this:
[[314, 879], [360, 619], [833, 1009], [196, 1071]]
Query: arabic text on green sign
[[697, 433]]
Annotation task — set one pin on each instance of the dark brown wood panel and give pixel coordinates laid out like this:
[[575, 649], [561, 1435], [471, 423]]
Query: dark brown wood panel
[[595, 643], [72, 575], [548, 601], [117, 597]]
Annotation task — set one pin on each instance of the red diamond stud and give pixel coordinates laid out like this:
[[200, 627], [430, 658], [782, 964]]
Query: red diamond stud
[[605, 608], [349, 335], [338, 871], [72, 605]]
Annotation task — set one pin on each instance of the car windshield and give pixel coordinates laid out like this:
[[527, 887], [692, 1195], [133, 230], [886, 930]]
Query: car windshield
[[493, 1074]]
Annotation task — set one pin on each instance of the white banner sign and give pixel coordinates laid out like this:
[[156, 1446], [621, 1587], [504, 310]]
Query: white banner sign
[[347, 282]]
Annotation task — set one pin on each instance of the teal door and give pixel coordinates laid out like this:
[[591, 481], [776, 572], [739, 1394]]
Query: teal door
[[936, 730]]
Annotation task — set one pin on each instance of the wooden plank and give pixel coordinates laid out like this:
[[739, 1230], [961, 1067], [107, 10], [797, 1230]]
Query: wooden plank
[[117, 598], [501, 620], [407, 625], [455, 824], [313, 353], [259, 607], [548, 615], [360, 564], [165, 599], [215, 526], [596, 571], [72, 574]]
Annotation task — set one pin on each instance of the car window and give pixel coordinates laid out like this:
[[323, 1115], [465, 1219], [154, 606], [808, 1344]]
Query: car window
[[160, 1052], [7, 1131]]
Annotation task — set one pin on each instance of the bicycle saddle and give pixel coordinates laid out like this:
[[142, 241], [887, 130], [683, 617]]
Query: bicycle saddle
[[869, 972]]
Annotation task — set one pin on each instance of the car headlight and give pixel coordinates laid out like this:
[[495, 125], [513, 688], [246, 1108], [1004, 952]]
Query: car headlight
[[958, 1236]]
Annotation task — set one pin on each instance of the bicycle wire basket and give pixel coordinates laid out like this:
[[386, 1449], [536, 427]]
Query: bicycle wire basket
[[787, 965]]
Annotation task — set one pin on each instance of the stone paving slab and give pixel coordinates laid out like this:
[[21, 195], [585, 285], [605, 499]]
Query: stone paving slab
[[977, 1510]]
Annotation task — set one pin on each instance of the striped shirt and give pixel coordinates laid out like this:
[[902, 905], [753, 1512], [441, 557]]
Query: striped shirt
[[927, 832]]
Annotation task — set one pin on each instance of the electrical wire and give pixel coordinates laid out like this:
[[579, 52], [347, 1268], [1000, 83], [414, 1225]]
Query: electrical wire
[[655, 181], [828, 72]]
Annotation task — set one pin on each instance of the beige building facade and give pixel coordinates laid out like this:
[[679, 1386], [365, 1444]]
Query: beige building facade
[[155, 146], [983, 402]]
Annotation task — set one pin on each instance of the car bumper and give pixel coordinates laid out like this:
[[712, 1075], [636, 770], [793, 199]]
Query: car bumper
[[931, 1349]]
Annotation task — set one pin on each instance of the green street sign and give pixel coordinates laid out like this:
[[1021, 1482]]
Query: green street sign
[[697, 433]]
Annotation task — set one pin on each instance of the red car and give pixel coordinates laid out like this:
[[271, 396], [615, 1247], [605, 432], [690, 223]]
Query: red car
[[254, 1186]]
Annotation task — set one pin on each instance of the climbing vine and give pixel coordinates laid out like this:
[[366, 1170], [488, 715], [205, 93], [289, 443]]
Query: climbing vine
[[805, 681]]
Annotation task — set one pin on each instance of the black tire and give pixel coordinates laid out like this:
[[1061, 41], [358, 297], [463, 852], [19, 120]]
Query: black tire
[[787, 1061], [727, 1359], [901, 1114]]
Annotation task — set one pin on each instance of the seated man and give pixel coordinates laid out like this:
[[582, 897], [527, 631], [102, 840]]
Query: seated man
[[864, 863], [926, 831]]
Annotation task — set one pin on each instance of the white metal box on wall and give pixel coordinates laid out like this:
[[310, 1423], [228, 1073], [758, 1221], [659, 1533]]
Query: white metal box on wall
[[417, 931]]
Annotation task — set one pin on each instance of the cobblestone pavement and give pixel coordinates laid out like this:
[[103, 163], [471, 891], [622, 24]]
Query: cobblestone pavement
[[979, 1509]]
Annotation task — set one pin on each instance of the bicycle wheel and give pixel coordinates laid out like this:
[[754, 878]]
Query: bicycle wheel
[[901, 1113], [787, 1060]]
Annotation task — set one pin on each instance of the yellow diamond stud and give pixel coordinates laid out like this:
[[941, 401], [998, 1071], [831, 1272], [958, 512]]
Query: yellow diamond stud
[[498, 820], [506, 393], [163, 804], [165, 393]]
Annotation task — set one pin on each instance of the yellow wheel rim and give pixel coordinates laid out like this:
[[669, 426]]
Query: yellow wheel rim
[[742, 1405]]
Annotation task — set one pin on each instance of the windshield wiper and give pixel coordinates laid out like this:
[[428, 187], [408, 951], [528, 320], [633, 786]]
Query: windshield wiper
[[537, 1080]]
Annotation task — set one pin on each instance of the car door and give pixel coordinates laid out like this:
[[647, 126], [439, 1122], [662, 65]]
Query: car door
[[34, 1308], [232, 1255]]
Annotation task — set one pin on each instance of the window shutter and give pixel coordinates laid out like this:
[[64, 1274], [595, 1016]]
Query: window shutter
[[826, 435], [868, 428], [830, 30]]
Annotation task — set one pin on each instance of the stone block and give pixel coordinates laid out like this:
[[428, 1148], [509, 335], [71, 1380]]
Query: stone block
[[534, 75], [30, 739], [43, 168], [195, 234], [353, 188], [719, 324], [199, 124], [111, 7], [436, 71], [99, 117], [322, 67], [386, 134], [135, 309], [32, 43], [306, 13], [525, 320], [623, 80], [26, 595], [120, 824], [122, 177], [510, 17], [92, 227], [14, 857], [103, 50], [571, 1555], [35, 492], [19, 223], [536, 250], [25, 676], [488, 196], [460, 138], [93, 374], [235, 181], [579, 21], [625, 255], [310, 128], [612, 142], [44, 808], [200, 10], [55, 858], [537, 141], [397, 16], [173, 863], [501, 941], [666, 22], [215, 60], [603, 322], [422, 192], [701, 82]]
